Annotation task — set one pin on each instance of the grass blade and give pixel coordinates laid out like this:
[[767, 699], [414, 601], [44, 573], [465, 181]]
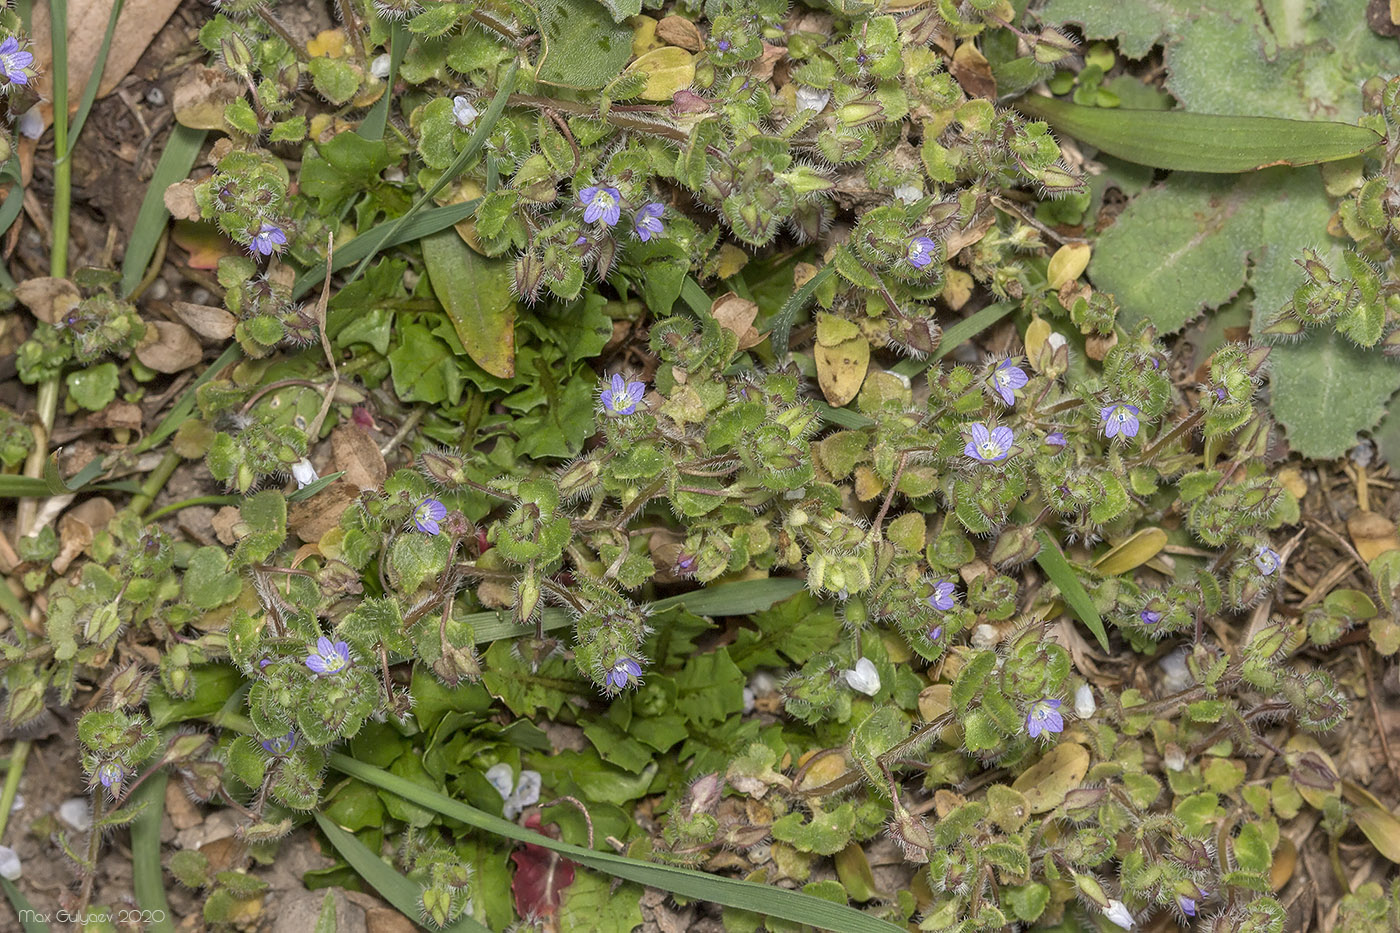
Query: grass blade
[[728, 599], [969, 327], [62, 168], [378, 117], [782, 321], [745, 895], [147, 882], [23, 908], [175, 163], [1052, 560], [1201, 142], [94, 79], [399, 891]]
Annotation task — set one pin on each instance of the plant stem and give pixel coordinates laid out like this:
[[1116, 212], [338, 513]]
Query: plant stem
[[153, 484], [187, 503], [12, 776], [46, 407]]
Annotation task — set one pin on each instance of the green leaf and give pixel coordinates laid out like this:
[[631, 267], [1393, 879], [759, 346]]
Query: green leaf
[[1200, 142], [24, 909], [209, 581], [93, 387], [789, 633], [1326, 389], [582, 47], [336, 79], [1053, 562], [745, 895], [424, 368], [147, 882], [477, 295], [214, 684], [621, 9], [710, 688], [781, 324], [591, 906], [972, 325]]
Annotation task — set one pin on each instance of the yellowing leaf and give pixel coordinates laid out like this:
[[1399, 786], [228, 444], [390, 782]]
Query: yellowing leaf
[[957, 287], [1382, 828], [667, 71], [329, 43], [841, 369], [1037, 332], [1068, 263], [644, 35], [1046, 783], [476, 292], [1140, 547], [833, 330], [731, 260]]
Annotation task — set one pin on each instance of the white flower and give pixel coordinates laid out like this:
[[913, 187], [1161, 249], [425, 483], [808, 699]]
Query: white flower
[[863, 678], [526, 791], [31, 124], [463, 112], [810, 98], [908, 193], [1084, 705], [1055, 341], [380, 66], [304, 473], [501, 777], [75, 812], [10, 868], [1119, 913]]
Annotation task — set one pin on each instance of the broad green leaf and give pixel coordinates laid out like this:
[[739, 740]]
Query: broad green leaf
[[476, 292], [213, 685], [1201, 142], [1326, 389], [591, 906], [582, 47]]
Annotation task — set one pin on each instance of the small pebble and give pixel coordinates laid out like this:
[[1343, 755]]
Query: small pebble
[[1176, 675], [10, 868], [18, 805], [155, 97], [76, 813], [380, 66], [200, 296]]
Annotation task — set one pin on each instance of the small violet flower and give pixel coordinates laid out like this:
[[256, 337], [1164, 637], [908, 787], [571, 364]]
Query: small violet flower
[[921, 250], [942, 598], [515, 795], [601, 203], [1007, 378], [1150, 616], [281, 746], [428, 516], [111, 774], [935, 633], [722, 45], [1057, 439], [1187, 905], [863, 678], [1266, 559], [647, 221], [1119, 913], [463, 112], [622, 396], [1044, 717], [1120, 418], [329, 657], [14, 63], [625, 672], [268, 240], [989, 445]]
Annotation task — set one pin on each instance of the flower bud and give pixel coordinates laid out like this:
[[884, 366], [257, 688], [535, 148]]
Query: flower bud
[[445, 467]]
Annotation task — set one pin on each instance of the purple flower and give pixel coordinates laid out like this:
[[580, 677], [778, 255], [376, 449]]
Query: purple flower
[[1267, 560], [329, 657], [110, 773], [281, 746], [427, 517], [921, 250], [625, 672], [1056, 439], [1120, 418], [622, 397], [267, 241], [647, 221], [1044, 717], [1150, 616], [935, 633], [685, 563], [1007, 378], [601, 203], [942, 598], [989, 445], [1187, 905], [13, 62], [722, 45]]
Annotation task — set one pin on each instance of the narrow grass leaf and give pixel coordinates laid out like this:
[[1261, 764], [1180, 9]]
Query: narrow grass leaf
[[399, 891], [175, 163], [26, 912], [1052, 560], [969, 327], [1201, 142], [744, 895], [147, 881], [781, 325], [310, 489]]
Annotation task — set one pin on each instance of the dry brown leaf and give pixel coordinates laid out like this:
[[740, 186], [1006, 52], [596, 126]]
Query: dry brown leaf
[[737, 315], [972, 70], [180, 202], [48, 299], [77, 527], [1372, 534], [213, 324], [138, 24], [169, 347], [680, 32], [225, 523], [118, 415], [355, 452], [312, 518], [201, 96]]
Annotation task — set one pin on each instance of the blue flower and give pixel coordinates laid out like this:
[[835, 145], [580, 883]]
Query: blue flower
[[942, 598], [14, 64], [1044, 717], [624, 673], [1150, 616], [647, 221], [722, 45], [935, 633], [428, 516], [989, 445], [1267, 560], [601, 203], [1057, 439], [111, 774], [1120, 418], [329, 657], [268, 240], [281, 746], [921, 250], [623, 396], [1187, 905], [1007, 378]]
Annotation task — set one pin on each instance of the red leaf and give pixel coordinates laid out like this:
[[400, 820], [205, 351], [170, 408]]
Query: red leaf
[[540, 876]]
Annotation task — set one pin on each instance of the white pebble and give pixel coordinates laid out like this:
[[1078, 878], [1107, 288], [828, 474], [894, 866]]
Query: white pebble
[[810, 98], [1176, 676], [380, 66], [18, 805], [76, 813], [985, 636], [10, 868], [155, 97]]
